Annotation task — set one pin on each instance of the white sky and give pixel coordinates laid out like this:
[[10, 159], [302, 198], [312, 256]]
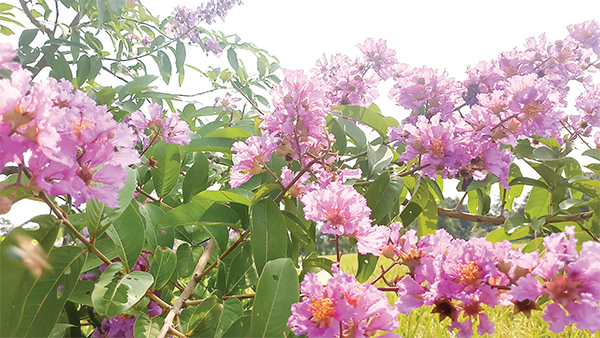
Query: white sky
[[440, 34]]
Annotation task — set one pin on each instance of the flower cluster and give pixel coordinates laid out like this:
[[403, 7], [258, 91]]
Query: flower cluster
[[517, 95], [458, 278], [184, 22], [76, 146], [157, 127], [342, 308], [347, 83]]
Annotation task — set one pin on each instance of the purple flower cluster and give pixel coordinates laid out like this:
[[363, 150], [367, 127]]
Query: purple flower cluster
[[347, 83], [519, 94], [342, 308], [185, 22], [458, 277], [157, 127], [76, 146]]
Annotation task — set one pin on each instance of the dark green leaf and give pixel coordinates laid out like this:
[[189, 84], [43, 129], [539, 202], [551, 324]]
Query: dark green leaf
[[16, 280], [128, 233], [239, 328], [164, 65], [44, 302], [513, 222], [117, 291], [233, 59], [179, 56], [232, 310], [116, 6], [221, 144], [593, 153], [269, 235], [538, 202], [378, 158], [27, 37], [366, 265], [277, 290], [187, 258], [196, 179], [528, 181], [147, 327], [382, 195], [83, 69], [204, 318], [162, 266], [370, 116], [221, 196], [166, 173]]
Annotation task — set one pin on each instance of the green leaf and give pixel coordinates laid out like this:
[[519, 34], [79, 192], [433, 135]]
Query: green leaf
[[44, 303], [179, 56], [101, 9], [230, 132], [196, 179], [147, 327], [27, 37], [318, 262], [221, 196], [233, 59], [538, 202], [82, 294], [410, 213], [514, 222], [340, 137], [528, 181], [187, 258], [164, 65], [499, 234], [593, 153], [203, 319], [166, 173], [117, 291], [116, 6], [221, 144], [240, 328], [378, 158], [232, 310], [356, 134], [15, 279], [83, 69], [128, 233], [269, 235], [136, 85], [382, 195], [277, 290], [242, 272], [366, 265], [370, 116], [162, 266]]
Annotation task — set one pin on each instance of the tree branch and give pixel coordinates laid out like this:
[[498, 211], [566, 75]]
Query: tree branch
[[189, 291], [470, 217]]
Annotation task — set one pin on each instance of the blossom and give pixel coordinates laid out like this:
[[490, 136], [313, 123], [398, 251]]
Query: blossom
[[361, 309], [341, 209]]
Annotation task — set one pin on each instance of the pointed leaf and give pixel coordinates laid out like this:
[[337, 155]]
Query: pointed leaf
[[45, 301], [117, 291], [382, 195], [232, 310], [15, 279], [366, 265], [204, 318], [196, 179], [277, 290], [147, 327], [128, 233], [269, 236], [166, 173], [164, 262]]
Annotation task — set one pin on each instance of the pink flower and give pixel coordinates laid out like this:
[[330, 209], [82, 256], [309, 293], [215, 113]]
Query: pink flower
[[361, 310], [341, 208]]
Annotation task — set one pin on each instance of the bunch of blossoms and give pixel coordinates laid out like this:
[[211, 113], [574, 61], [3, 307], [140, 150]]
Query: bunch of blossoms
[[457, 277], [346, 81], [157, 127], [343, 308], [342, 211], [76, 146], [569, 279], [295, 130], [518, 95]]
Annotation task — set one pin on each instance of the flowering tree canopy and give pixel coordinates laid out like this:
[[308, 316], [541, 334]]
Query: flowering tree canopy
[[175, 219]]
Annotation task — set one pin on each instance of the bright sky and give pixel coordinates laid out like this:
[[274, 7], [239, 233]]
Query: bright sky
[[440, 34]]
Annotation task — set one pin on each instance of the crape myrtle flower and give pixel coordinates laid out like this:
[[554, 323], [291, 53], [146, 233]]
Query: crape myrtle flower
[[362, 309], [571, 281], [250, 158], [172, 129]]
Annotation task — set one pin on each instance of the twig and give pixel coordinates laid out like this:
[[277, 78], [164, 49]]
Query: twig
[[240, 296], [383, 272], [471, 217], [246, 97], [189, 290]]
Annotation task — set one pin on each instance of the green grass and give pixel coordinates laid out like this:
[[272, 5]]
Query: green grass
[[420, 323]]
